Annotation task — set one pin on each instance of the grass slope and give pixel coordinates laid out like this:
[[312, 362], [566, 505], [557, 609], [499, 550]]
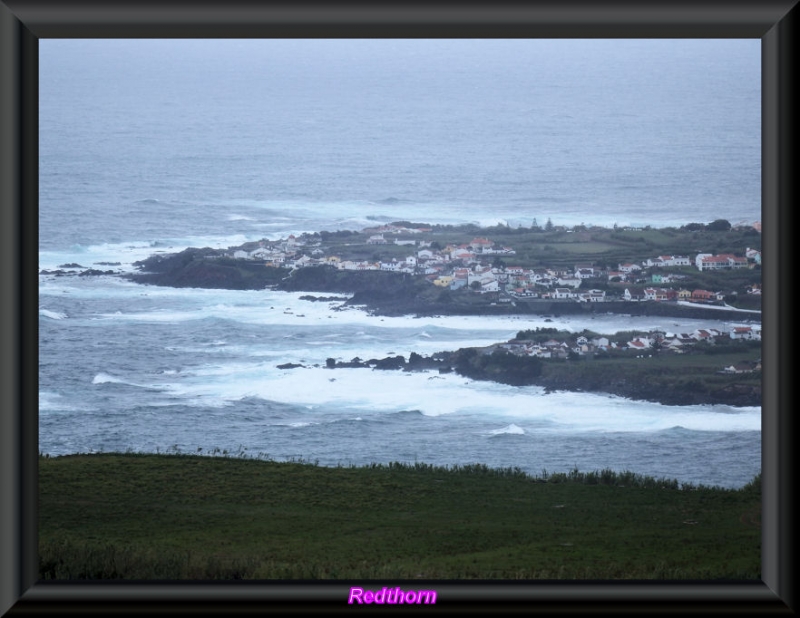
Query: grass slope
[[139, 516]]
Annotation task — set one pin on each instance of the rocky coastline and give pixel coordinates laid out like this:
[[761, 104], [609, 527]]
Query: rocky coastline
[[387, 293], [398, 294], [476, 364]]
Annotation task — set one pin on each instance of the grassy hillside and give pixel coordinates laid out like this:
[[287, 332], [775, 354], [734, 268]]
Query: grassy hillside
[[138, 516]]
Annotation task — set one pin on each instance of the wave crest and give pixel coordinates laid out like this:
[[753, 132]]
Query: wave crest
[[53, 315], [508, 429]]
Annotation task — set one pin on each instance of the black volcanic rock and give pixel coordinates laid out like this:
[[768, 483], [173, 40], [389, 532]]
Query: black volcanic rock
[[205, 268], [383, 292]]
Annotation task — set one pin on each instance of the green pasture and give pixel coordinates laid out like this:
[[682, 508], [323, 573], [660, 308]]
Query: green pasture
[[189, 517]]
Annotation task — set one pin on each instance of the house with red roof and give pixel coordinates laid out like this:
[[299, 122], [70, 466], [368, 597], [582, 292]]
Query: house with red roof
[[703, 295], [639, 343], [479, 244], [706, 261]]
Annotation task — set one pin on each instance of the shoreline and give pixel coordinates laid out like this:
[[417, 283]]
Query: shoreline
[[600, 377], [381, 305]]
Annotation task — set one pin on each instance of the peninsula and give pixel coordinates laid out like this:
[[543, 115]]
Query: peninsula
[[405, 268], [706, 366]]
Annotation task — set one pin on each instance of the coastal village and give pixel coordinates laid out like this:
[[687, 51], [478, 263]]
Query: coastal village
[[486, 267], [481, 265], [567, 345]]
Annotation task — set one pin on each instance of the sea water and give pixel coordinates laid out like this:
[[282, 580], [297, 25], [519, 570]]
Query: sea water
[[155, 146]]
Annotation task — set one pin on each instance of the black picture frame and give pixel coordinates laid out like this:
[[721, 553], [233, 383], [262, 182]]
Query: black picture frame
[[24, 22]]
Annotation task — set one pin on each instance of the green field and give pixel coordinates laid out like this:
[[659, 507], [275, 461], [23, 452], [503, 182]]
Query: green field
[[179, 517], [558, 247]]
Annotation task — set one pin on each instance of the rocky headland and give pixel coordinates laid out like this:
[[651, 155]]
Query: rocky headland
[[649, 383], [386, 293]]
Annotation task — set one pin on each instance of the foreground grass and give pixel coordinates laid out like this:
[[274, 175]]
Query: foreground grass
[[139, 516]]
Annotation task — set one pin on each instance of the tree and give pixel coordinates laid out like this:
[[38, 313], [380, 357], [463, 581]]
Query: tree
[[693, 227], [719, 225], [549, 225]]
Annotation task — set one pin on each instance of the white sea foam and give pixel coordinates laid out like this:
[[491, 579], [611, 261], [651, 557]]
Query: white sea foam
[[605, 413], [269, 307], [508, 429], [491, 222], [53, 315], [120, 256], [329, 391], [104, 378], [52, 401]]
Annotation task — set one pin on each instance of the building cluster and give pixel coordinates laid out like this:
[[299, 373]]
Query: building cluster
[[582, 345], [480, 266]]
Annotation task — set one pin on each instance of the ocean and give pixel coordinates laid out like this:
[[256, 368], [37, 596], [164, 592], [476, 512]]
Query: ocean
[[157, 145]]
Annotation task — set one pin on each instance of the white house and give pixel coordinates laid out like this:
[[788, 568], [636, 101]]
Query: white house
[[628, 295], [640, 343], [572, 282], [628, 267], [303, 262], [593, 296], [669, 260], [489, 285], [745, 332], [753, 254], [655, 294], [706, 261]]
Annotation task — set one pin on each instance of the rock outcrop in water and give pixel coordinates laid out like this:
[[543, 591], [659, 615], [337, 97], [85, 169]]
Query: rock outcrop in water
[[499, 366]]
